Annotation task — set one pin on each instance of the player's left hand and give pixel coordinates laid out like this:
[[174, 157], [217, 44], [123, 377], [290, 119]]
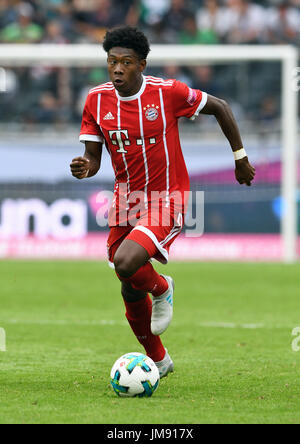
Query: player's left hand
[[244, 171]]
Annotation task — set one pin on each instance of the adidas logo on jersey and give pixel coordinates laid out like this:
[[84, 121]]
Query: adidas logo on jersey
[[109, 116]]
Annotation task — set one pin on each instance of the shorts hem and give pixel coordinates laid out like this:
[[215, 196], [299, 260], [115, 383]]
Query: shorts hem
[[162, 251]]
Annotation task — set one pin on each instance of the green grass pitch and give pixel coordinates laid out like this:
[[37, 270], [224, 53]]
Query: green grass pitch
[[231, 342]]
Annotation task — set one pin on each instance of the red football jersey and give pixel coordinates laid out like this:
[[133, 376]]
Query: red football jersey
[[141, 133]]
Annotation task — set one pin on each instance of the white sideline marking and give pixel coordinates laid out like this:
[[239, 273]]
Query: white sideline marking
[[65, 322], [102, 322], [230, 325]]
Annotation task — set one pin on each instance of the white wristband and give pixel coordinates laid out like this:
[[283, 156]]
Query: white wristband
[[240, 154]]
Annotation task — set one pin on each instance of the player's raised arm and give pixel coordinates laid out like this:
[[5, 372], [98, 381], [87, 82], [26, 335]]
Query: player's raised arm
[[89, 164], [244, 171]]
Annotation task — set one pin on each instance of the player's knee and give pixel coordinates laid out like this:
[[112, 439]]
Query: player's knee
[[124, 265]]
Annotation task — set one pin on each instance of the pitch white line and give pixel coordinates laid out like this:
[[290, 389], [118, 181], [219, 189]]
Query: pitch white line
[[65, 322], [230, 325], [122, 323]]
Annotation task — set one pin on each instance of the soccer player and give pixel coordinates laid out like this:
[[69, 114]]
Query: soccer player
[[136, 117]]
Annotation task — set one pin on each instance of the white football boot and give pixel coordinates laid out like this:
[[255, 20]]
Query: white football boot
[[162, 309], [165, 366]]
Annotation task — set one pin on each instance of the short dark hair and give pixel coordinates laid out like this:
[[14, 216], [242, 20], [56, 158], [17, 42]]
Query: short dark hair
[[127, 37]]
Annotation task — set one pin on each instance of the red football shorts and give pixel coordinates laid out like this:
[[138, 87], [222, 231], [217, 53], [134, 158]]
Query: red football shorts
[[148, 232]]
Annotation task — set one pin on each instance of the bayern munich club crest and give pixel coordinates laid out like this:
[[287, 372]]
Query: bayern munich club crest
[[151, 112]]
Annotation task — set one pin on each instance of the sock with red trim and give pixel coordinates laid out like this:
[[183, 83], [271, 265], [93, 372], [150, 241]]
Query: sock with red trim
[[138, 315], [147, 279]]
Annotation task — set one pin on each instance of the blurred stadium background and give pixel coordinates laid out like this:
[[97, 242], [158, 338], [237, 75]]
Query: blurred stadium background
[[45, 213]]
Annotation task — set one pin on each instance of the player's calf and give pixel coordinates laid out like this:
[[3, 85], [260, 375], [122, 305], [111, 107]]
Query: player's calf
[[130, 294]]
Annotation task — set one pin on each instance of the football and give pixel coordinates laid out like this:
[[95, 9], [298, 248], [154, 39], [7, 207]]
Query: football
[[134, 374]]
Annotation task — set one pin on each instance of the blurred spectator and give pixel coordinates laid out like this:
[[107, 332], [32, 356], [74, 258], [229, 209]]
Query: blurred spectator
[[84, 22], [247, 22], [123, 7], [83, 80], [23, 30], [62, 12], [176, 72], [109, 14], [213, 19], [133, 16], [283, 23], [268, 111], [153, 10], [54, 33], [164, 21], [52, 5], [7, 13], [190, 34], [205, 80], [173, 20], [84, 9], [48, 109]]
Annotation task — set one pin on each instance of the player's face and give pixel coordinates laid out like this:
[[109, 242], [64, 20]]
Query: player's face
[[125, 69]]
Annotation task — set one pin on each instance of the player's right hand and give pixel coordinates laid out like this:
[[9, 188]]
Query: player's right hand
[[80, 167]]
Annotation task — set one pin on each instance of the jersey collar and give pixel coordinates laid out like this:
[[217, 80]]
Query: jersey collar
[[136, 96]]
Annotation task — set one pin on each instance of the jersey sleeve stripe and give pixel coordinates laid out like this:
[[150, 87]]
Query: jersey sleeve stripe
[[90, 138]]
